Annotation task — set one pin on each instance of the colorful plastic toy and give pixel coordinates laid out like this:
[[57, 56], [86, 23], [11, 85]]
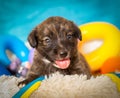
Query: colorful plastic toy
[[111, 65], [108, 35], [26, 91], [15, 45], [31, 55], [18, 68]]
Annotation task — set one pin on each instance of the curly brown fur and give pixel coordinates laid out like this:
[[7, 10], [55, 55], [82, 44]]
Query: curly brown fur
[[56, 40]]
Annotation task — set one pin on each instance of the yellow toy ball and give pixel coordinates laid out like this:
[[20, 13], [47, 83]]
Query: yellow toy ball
[[100, 41]]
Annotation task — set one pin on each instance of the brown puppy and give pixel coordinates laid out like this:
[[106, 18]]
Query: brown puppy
[[55, 42]]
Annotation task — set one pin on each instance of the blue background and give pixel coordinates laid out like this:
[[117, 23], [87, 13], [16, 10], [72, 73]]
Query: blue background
[[19, 17]]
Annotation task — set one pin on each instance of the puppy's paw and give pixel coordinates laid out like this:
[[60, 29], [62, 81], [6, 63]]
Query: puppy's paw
[[22, 84]]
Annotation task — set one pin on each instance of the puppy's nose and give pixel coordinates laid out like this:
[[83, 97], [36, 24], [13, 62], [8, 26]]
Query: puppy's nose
[[63, 54]]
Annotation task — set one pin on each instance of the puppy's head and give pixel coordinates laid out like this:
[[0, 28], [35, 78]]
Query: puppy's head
[[56, 40]]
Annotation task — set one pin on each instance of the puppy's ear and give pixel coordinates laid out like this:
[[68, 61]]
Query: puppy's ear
[[32, 39], [78, 33]]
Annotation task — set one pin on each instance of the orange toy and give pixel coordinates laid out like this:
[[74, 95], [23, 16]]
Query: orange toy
[[111, 65]]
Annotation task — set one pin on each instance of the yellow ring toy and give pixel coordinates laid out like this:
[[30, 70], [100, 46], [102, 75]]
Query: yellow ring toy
[[110, 47]]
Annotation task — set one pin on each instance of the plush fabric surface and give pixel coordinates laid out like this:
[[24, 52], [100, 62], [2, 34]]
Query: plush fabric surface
[[75, 86], [59, 86], [8, 86]]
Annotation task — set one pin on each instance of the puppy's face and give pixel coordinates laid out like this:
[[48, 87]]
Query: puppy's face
[[56, 40]]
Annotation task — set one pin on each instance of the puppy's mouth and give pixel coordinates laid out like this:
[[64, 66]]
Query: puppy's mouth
[[62, 64]]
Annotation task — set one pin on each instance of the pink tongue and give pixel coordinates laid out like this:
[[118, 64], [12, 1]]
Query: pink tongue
[[63, 64]]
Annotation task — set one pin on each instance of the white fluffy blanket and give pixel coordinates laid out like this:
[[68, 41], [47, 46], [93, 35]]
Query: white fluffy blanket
[[8, 86], [59, 86]]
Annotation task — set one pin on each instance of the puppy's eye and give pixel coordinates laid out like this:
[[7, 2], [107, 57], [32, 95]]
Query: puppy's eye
[[46, 40], [69, 36]]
